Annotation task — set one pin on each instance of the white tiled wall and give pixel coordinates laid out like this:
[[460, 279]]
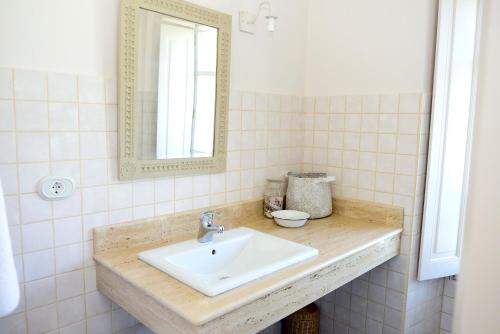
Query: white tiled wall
[[64, 124], [450, 286], [376, 146]]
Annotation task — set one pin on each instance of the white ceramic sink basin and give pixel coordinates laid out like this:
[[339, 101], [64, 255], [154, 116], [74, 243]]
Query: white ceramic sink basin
[[233, 258]]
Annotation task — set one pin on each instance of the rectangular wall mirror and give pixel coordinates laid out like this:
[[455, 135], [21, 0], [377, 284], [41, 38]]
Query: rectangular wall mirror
[[174, 86]]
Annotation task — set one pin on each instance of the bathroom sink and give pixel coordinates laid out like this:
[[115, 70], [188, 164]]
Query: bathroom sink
[[233, 258]]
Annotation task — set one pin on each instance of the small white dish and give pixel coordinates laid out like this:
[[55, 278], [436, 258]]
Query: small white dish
[[290, 218]]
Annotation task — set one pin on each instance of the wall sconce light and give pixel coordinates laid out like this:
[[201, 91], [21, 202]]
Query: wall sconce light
[[248, 19]]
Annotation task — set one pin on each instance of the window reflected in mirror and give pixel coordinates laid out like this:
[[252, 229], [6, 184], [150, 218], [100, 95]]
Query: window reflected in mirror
[[176, 87]]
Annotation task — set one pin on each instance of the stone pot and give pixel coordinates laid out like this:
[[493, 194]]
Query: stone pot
[[311, 193]]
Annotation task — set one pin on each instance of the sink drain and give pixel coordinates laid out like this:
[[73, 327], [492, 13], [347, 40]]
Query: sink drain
[[223, 278]]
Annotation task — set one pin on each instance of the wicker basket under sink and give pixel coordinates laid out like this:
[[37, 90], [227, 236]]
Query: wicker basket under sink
[[304, 321]]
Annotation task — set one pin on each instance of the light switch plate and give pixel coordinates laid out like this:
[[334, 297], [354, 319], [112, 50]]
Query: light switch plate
[[247, 22]]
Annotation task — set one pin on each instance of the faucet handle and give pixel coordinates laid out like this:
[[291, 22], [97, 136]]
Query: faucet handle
[[210, 215], [207, 228]]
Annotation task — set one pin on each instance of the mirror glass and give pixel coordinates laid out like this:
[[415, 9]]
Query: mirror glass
[[176, 87]]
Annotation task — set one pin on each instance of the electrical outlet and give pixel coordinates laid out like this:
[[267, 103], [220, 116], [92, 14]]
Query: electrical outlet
[[55, 188]]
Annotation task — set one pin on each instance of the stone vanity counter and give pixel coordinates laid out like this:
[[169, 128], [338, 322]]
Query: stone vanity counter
[[356, 238]]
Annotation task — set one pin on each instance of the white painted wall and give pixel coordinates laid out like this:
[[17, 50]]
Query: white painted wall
[[59, 35], [478, 294], [353, 46], [80, 37], [267, 62], [360, 46]]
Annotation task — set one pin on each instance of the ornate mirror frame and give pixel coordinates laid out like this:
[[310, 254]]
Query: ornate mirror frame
[[130, 166]]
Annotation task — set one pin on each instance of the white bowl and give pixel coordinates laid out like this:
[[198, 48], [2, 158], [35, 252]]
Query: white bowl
[[290, 218]]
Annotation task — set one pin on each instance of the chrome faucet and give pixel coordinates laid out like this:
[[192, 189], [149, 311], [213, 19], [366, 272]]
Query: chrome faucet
[[207, 227]]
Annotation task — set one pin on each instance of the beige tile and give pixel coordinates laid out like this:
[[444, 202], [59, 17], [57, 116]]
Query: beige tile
[[37, 236], [69, 258], [7, 117], [93, 145], [62, 87], [144, 192], [43, 319], [38, 265], [30, 85], [33, 208], [92, 117], [8, 175], [235, 100], [354, 104], [388, 123], [64, 146], [6, 83], [33, 146], [183, 187], [338, 104], [67, 231], [322, 104], [40, 292], [371, 104], [63, 116], [70, 310], [248, 101], [91, 89], [409, 103]]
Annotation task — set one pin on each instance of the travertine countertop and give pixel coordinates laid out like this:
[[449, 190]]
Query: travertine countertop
[[354, 227]]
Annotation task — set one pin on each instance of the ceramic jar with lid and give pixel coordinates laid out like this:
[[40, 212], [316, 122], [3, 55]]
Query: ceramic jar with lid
[[311, 193]]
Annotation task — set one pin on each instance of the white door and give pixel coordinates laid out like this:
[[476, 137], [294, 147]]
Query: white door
[[450, 138]]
